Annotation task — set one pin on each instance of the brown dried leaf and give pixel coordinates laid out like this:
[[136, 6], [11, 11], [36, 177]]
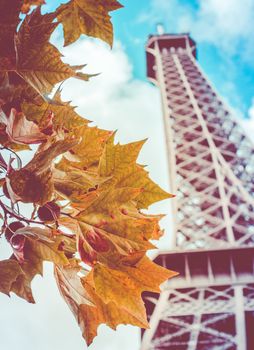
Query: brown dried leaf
[[10, 270], [31, 267], [33, 183], [69, 283], [20, 130]]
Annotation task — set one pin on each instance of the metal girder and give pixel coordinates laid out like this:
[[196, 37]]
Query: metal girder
[[211, 168]]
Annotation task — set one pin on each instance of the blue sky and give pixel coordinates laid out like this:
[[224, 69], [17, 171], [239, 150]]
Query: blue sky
[[121, 98]]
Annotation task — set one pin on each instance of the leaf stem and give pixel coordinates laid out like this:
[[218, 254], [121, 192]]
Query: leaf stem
[[8, 210], [19, 161]]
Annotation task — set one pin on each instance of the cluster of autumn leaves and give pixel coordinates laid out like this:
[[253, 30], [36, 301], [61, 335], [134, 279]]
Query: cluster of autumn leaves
[[86, 191]]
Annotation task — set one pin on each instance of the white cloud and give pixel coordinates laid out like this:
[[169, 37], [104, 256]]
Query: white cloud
[[251, 110], [227, 24], [114, 100]]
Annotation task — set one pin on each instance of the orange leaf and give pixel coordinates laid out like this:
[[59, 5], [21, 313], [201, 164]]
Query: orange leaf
[[124, 285], [88, 308]]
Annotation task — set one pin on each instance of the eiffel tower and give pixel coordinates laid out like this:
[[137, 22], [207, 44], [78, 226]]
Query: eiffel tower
[[210, 305]]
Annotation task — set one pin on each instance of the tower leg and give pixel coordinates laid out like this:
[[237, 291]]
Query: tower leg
[[240, 318]]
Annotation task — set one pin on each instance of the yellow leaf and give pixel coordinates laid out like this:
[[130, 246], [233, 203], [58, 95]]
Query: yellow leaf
[[116, 158], [75, 184], [89, 150], [38, 61], [119, 162], [46, 251], [38, 248], [124, 286], [87, 17], [111, 314], [16, 277], [65, 116]]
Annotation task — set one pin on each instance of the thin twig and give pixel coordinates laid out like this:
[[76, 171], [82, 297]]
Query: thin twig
[[8, 210], [19, 161]]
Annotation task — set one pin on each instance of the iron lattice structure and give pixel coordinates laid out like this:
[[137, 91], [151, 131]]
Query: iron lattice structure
[[210, 306]]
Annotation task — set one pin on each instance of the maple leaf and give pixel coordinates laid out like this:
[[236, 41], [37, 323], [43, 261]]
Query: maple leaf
[[45, 251], [17, 278], [110, 228], [9, 21], [88, 308], [76, 185], [65, 116], [69, 283], [20, 130], [106, 287], [22, 285], [109, 313], [87, 17], [10, 270], [119, 162], [124, 285], [37, 61], [92, 142], [33, 183], [39, 246]]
